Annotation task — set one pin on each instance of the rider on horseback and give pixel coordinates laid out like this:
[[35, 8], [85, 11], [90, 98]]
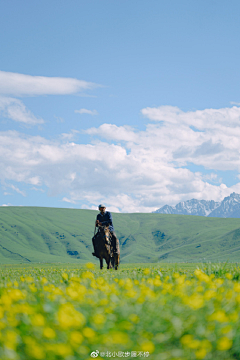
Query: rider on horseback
[[104, 218]]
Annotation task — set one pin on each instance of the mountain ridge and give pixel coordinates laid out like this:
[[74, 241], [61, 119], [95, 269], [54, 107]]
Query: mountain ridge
[[229, 207]]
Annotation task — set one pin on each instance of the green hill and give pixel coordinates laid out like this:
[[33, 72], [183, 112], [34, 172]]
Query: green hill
[[34, 234]]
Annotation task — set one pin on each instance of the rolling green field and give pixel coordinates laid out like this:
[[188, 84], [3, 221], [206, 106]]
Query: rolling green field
[[34, 234], [160, 312]]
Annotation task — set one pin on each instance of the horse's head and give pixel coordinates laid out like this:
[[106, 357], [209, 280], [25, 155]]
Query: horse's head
[[104, 232]]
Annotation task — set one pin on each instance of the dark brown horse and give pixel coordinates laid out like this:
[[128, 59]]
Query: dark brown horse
[[103, 248]]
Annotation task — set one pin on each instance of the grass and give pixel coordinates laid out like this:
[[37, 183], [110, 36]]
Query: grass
[[49, 235]]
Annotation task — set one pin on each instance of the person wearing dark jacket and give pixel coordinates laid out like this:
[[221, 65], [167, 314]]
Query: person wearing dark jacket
[[104, 218]]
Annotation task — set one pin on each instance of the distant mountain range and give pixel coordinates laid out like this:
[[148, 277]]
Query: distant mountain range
[[229, 207]]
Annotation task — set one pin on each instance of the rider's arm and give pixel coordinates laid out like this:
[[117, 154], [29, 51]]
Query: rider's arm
[[97, 221]]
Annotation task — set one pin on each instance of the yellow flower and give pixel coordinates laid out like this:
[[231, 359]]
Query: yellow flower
[[146, 271], [180, 280], [209, 294], [103, 302], [125, 325], [76, 338], [65, 276], [116, 337], [63, 350], [90, 265], [99, 319], [32, 287], [131, 293], [33, 349], [76, 291], [194, 301], [148, 346], [121, 282], [69, 317], [128, 284], [234, 316], [157, 282], [88, 332], [100, 280], [226, 329], [150, 281], [202, 276], [87, 275], [224, 343], [176, 275], [10, 339], [201, 353], [49, 333], [190, 342], [236, 287], [219, 282], [134, 318], [195, 344], [16, 294], [43, 280], [38, 320], [205, 344], [219, 316], [186, 339]]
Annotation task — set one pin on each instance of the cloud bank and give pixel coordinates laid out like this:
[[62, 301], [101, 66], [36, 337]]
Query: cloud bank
[[131, 170]]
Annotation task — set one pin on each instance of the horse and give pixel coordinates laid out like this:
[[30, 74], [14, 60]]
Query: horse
[[103, 248]]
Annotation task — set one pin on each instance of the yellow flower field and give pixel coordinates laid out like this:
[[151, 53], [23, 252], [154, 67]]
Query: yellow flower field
[[156, 312]]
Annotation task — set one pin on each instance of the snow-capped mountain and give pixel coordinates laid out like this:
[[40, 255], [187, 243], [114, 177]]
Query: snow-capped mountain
[[228, 207]]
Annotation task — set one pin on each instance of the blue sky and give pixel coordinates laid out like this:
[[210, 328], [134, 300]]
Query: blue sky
[[131, 103]]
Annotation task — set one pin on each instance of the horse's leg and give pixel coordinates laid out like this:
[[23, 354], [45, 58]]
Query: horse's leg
[[112, 261], [116, 258], [108, 261], [101, 262]]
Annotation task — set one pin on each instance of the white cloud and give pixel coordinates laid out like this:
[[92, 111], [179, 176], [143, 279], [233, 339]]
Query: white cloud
[[86, 111], [200, 119], [142, 172], [37, 189], [71, 135], [15, 110], [15, 188], [114, 132], [34, 180], [26, 85], [68, 200], [234, 103]]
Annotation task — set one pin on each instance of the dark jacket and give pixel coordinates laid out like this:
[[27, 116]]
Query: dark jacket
[[106, 220]]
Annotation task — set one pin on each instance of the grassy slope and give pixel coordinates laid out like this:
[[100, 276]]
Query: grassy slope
[[31, 234]]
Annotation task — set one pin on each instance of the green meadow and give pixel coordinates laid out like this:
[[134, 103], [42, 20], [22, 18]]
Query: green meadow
[[51, 235]]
